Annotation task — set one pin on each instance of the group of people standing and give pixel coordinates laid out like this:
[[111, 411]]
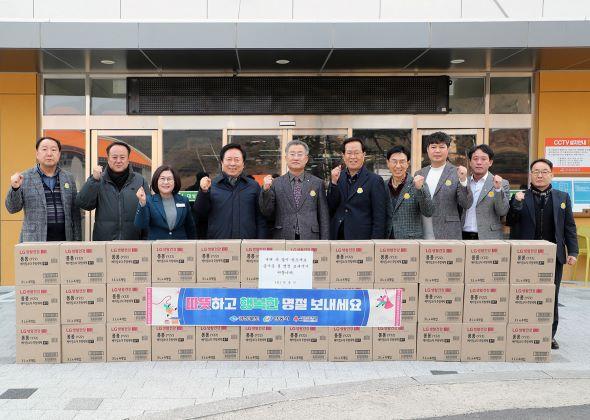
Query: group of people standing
[[441, 201]]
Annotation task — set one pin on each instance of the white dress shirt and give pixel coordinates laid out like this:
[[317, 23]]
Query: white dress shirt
[[432, 179], [471, 217]]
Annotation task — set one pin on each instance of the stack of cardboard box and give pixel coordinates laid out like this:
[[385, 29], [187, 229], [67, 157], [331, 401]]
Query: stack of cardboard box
[[440, 307], [129, 271], [468, 301], [531, 302]]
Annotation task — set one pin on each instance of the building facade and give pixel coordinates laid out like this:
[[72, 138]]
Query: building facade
[[518, 73]]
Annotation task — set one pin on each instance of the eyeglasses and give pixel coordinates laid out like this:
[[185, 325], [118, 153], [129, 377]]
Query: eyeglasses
[[398, 162], [537, 172], [296, 154], [163, 180]]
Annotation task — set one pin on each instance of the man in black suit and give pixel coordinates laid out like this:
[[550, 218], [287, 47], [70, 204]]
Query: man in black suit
[[542, 212], [357, 198]]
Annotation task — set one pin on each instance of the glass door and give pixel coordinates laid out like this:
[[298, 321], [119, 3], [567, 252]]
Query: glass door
[[324, 149], [143, 158], [264, 151], [461, 141]]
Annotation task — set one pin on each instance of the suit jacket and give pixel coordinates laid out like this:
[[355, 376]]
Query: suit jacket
[[449, 198], [362, 207], [521, 219], [312, 216], [491, 206], [31, 197], [404, 212], [152, 217]]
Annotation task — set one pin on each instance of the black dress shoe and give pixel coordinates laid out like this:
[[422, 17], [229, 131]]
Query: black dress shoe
[[554, 345]]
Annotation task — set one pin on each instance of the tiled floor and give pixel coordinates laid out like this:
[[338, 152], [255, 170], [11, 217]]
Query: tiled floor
[[119, 390]]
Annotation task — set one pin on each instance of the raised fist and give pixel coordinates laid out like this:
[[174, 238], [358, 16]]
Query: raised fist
[[462, 173], [497, 182], [205, 183], [16, 180], [141, 196], [336, 174], [267, 183], [418, 182], [97, 172], [519, 196]]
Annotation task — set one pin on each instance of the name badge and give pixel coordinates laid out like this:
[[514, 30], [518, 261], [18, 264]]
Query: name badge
[[180, 205]]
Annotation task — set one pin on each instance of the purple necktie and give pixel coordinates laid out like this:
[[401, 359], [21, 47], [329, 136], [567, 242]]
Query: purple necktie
[[297, 192]]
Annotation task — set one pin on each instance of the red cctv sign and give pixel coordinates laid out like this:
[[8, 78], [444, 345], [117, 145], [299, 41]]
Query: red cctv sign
[[568, 154]]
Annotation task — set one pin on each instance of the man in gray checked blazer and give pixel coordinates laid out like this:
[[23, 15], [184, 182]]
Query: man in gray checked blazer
[[296, 200], [450, 192], [490, 197], [47, 194], [409, 198]]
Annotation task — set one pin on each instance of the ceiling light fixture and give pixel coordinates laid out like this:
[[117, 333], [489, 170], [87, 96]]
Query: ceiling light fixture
[[457, 61], [282, 61], [108, 62]]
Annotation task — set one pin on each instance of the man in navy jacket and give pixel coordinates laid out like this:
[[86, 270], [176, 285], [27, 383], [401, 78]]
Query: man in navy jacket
[[230, 200], [544, 213], [356, 197]]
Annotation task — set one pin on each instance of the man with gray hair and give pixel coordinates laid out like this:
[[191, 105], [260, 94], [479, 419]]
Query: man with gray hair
[[297, 200]]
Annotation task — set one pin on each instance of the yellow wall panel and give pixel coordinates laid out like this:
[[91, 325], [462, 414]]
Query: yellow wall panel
[[564, 81], [18, 132], [9, 231], [18, 83]]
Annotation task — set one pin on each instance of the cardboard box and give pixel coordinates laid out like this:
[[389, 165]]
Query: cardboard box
[[528, 343], [486, 303], [395, 343], [84, 343], [350, 344], [262, 343], [129, 262], [531, 303], [83, 304], [321, 260], [126, 303], [232, 285], [217, 343], [483, 342], [352, 262], [249, 257], [128, 343], [174, 262], [409, 302], [219, 261], [306, 343], [37, 305], [396, 262], [487, 262], [36, 263], [83, 262], [38, 344], [442, 262], [532, 262], [173, 342], [439, 342], [440, 303]]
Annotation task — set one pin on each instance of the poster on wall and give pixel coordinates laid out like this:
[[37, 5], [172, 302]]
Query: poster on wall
[[578, 188], [568, 154]]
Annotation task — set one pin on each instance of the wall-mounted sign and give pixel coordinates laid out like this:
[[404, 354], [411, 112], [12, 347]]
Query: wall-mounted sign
[[578, 188], [568, 154]]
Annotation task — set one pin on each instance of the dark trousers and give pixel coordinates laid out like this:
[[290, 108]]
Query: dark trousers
[[470, 236], [558, 274]]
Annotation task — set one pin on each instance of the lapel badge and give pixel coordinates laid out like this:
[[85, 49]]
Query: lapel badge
[[359, 190], [448, 182], [407, 195], [66, 185], [491, 194], [312, 193], [563, 206]]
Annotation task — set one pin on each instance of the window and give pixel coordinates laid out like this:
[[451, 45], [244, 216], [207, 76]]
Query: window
[[64, 97], [108, 97], [460, 145], [510, 95], [324, 152], [378, 142], [263, 153], [511, 155], [191, 152], [466, 95]]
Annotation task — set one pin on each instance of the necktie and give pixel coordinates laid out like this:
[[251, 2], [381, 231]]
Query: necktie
[[297, 192]]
